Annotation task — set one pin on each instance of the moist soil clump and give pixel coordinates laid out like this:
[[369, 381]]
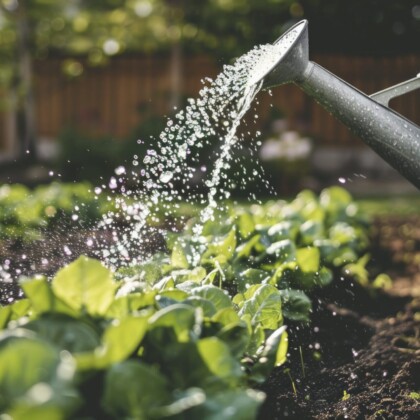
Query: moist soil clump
[[360, 356]]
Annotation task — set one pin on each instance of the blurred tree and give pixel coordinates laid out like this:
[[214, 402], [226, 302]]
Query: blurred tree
[[99, 29]]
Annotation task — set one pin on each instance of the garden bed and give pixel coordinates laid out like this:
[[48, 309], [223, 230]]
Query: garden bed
[[361, 352], [358, 358]]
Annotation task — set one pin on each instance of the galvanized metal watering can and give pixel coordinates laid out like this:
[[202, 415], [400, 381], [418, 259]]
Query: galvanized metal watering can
[[392, 136]]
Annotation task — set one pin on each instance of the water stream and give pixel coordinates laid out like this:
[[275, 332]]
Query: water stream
[[172, 165]]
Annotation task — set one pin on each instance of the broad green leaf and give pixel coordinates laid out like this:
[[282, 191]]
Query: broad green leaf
[[224, 247], [196, 275], [133, 390], [282, 230], [272, 354], [23, 410], [129, 304], [236, 337], [119, 341], [215, 295], [178, 257], [85, 284], [34, 371], [226, 316], [172, 294], [308, 259], [251, 276], [310, 231], [230, 404], [282, 251], [324, 277], [245, 249], [5, 313], [65, 332], [264, 307], [218, 359], [245, 224], [205, 305], [296, 305], [149, 271], [285, 275], [179, 317], [183, 402], [42, 299], [334, 199], [20, 308], [342, 233]]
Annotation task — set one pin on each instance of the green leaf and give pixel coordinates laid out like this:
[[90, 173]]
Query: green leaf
[[129, 304], [34, 373], [272, 354], [133, 390], [334, 199], [308, 259], [245, 249], [119, 341], [230, 404], [342, 233], [382, 281], [215, 295], [39, 293], [296, 305], [5, 313], [282, 251], [324, 277], [178, 257], [236, 337], [251, 276], [85, 284], [246, 225], [218, 359], [310, 231], [205, 305], [264, 307], [226, 316], [20, 308], [196, 275], [179, 317], [183, 401], [224, 247], [65, 332]]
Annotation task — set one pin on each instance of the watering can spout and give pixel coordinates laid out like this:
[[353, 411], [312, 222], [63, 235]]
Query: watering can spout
[[293, 58], [393, 137]]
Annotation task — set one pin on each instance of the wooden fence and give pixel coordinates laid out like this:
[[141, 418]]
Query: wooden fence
[[113, 99]]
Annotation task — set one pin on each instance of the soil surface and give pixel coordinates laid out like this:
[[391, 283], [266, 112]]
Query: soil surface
[[358, 359], [360, 356]]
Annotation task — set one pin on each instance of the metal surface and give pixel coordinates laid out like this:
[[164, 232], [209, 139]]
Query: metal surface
[[384, 96], [393, 137]]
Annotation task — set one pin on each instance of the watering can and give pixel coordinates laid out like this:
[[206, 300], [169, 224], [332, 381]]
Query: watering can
[[392, 136]]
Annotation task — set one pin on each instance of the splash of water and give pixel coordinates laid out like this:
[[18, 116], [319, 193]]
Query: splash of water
[[172, 165]]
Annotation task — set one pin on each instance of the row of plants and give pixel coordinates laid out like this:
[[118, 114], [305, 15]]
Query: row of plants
[[189, 333], [25, 212]]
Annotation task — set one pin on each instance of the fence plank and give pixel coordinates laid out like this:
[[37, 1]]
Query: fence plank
[[107, 100]]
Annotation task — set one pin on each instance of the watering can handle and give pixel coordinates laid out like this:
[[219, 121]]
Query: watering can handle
[[384, 96]]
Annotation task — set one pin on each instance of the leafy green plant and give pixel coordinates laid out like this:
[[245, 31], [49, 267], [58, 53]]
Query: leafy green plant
[[158, 352], [24, 213], [188, 333]]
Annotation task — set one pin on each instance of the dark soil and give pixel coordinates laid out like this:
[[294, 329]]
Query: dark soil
[[360, 357]]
